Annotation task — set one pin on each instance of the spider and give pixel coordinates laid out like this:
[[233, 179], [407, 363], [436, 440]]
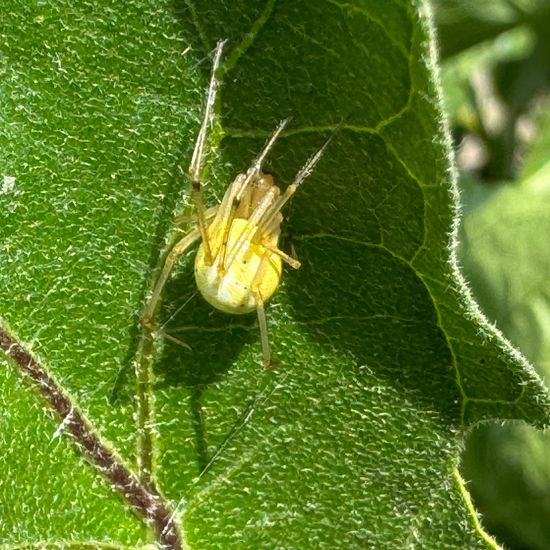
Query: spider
[[238, 265]]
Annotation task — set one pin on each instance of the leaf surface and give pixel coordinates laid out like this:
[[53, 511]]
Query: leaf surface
[[352, 441]]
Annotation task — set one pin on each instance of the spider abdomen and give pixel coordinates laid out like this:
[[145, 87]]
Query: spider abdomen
[[253, 271]]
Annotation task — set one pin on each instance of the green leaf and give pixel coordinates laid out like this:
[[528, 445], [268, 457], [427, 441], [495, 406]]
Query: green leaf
[[458, 72], [505, 254], [534, 173], [466, 23], [492, 82], [384, 362]]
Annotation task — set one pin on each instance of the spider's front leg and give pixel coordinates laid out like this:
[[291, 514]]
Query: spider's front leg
[[203, 215], [195, 167]]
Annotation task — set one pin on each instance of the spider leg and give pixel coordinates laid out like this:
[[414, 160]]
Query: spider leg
[[262, 322], [180, 247], [302, 174], [256, 166], [260, 309], [186, 219], [198, 153], [292, 262], [235, 194], [251, 226], [177, 341]]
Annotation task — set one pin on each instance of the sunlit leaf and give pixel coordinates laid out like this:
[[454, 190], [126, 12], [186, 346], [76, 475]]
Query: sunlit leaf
[[352, 441]]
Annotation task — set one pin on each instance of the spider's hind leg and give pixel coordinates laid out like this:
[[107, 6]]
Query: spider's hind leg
[[262, 322]]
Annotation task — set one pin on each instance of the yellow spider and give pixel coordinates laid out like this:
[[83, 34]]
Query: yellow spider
[[238, 263]]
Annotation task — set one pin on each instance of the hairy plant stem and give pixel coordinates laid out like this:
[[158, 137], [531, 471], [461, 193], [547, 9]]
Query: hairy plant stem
[[141, 495]]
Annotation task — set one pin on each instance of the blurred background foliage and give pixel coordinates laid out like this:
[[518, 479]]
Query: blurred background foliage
[[496, 78]]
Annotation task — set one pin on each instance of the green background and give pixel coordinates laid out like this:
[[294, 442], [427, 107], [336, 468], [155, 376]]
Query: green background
[[353, 440]]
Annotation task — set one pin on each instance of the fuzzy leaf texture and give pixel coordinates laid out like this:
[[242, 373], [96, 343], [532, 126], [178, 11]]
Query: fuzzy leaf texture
[[352, 442]]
